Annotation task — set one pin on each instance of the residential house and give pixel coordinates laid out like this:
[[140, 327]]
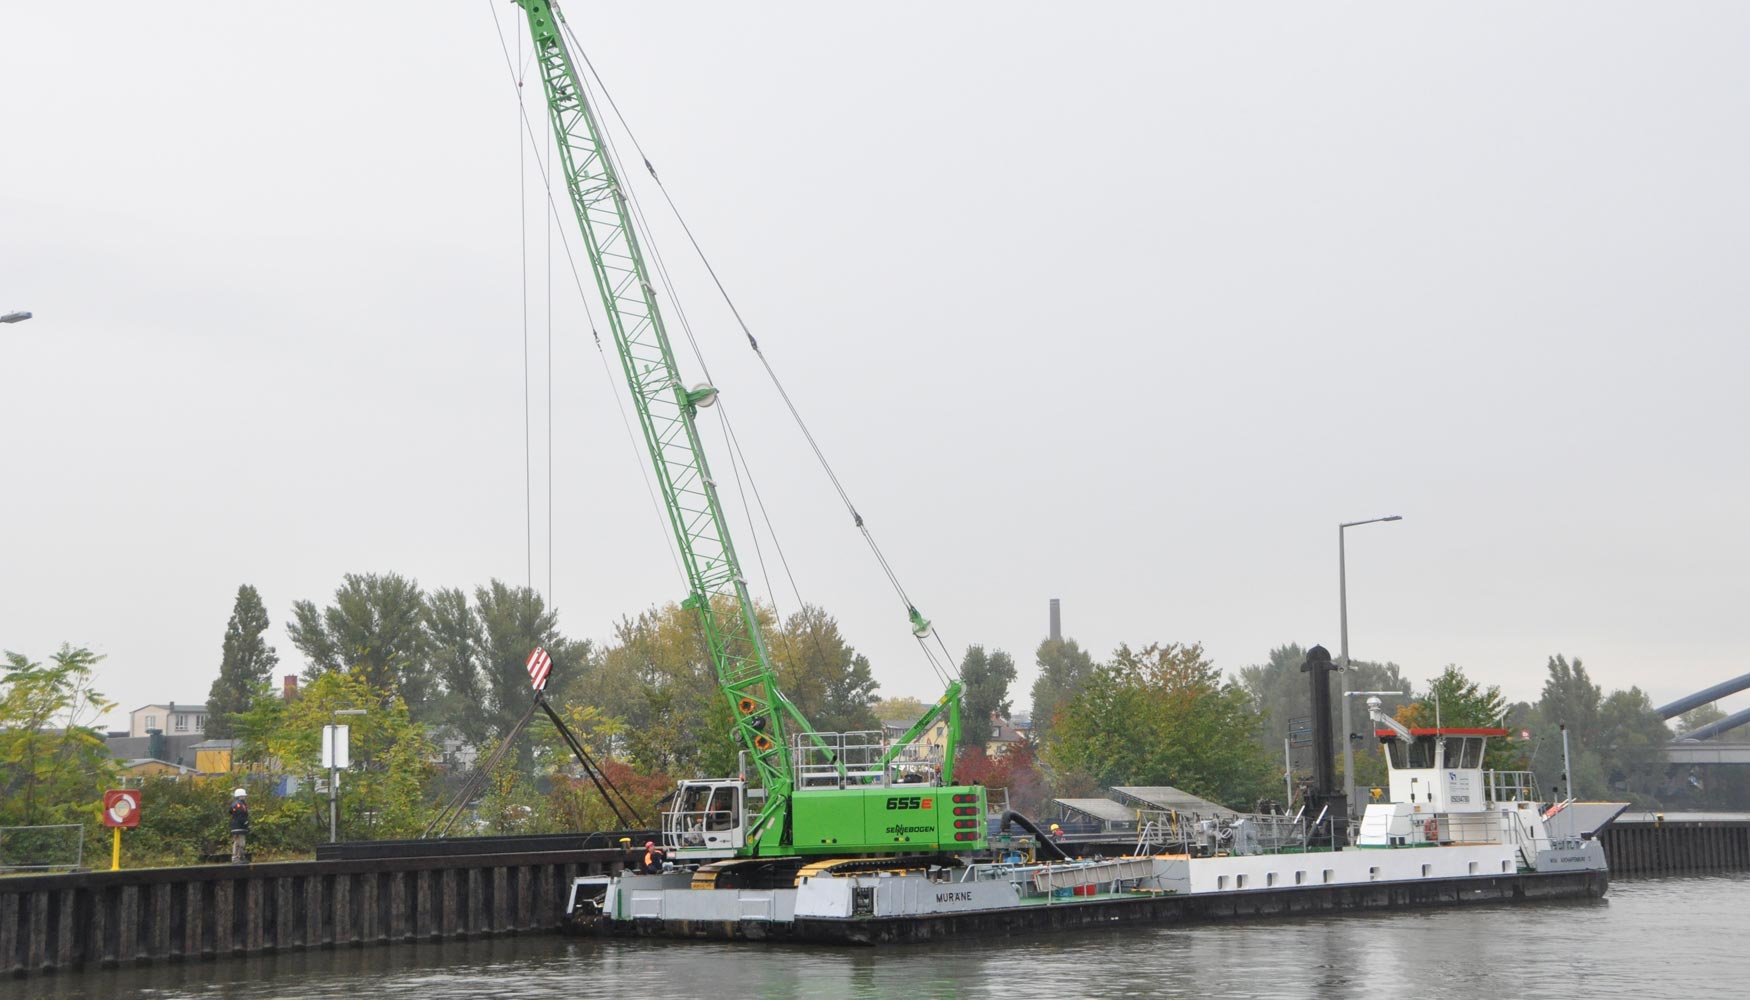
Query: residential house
[[185, 718], [1003, 734]]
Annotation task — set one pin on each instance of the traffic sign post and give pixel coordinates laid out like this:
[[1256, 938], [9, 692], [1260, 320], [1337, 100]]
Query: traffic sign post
[[121, 809]]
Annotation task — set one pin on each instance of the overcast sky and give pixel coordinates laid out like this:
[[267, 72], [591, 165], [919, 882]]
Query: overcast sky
[[1126, 304]]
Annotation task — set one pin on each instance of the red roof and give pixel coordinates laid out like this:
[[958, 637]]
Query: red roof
[[1385, 733]]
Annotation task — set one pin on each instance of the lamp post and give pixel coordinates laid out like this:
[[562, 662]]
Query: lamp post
[[334, 743], [1343, 635]]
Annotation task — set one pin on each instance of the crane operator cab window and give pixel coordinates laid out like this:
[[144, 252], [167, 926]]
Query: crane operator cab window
[[707, 816]]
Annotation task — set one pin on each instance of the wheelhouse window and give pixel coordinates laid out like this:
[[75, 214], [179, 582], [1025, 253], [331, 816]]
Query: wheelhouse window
[[1418, 753], [1464, 751]]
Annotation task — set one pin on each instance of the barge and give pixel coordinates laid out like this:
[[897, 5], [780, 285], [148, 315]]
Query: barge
[[1449, 833]]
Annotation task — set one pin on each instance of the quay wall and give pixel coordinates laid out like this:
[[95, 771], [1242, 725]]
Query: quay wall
[[1654, 844], [67, 921]]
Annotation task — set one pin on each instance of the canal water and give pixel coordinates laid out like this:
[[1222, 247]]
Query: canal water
[[1649, 938]]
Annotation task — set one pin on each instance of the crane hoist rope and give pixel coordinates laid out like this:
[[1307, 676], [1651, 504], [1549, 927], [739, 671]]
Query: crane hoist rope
[[946, 670]]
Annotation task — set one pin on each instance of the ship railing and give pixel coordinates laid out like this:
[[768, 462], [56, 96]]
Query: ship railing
[[1524, 840], [1511, 786], [1161, 829], [1271, 832]]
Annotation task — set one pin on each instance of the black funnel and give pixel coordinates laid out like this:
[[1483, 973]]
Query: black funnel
[[1325, 796]]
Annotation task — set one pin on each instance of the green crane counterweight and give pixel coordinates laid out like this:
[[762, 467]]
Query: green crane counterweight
[[788, 817]]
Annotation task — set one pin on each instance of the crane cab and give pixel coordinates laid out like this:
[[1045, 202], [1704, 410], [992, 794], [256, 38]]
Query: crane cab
[[708, 818]]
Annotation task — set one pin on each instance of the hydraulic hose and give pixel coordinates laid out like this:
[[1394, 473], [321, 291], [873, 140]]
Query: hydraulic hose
[[1045, 842]]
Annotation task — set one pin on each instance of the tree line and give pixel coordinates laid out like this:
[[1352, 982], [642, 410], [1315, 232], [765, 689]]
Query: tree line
[[1163, 702], [441, 676]]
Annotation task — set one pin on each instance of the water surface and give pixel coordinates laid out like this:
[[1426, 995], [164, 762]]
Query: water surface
[[1649, 938]]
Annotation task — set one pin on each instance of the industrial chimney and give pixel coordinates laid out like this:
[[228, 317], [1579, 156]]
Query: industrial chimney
[[1056, 620]]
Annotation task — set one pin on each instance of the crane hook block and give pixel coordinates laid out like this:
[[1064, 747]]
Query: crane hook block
[[920, 626]]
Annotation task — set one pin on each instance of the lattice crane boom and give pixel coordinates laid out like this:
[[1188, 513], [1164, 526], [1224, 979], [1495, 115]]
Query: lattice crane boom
[[667, 412]]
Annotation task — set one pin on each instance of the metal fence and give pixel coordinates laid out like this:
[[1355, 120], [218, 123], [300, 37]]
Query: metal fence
[[41, 848]]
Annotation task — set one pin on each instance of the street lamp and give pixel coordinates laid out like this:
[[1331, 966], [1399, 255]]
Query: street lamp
[[15, 317], [1343, 615], [334, 744]]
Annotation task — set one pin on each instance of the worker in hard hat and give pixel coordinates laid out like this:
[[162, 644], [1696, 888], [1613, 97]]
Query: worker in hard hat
[[654, 856], [239, 823], [1056, 832]]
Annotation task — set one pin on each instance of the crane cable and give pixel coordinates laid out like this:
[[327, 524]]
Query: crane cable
[[820, 456], [577, 281], [522, 212], [737, 458]]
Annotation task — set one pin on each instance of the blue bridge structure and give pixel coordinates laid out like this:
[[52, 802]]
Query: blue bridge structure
[[1702, 746]]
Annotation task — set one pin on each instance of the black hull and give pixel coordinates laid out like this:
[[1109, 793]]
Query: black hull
[[1069, 914]]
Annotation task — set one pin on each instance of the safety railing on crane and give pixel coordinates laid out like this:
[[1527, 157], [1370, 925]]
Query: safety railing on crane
[[830, 760]]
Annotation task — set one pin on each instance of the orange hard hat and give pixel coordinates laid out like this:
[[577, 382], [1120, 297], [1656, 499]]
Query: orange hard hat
[[650, 843]]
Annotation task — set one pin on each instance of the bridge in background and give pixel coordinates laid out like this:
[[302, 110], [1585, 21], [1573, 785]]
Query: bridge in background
[[1704, 696], [1707, 752]]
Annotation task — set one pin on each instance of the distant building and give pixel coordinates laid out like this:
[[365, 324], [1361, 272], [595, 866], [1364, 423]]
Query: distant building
[[932, 742], [1003, 735], [187, 718], [926, 749], [214, 756], [176, 750]]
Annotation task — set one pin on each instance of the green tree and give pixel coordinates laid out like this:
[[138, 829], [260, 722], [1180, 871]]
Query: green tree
[[53, 762], [830, 683], [458, 647], [513, 621], [1454, 701], [900, 709], [1616, 743], [1701, 715], [383, 795], [985, 679], [1570, 698], [1632, 742], [375, 626], [1163, 715], [248, 662], [1280, 692], [657, 677], [1063, 668]]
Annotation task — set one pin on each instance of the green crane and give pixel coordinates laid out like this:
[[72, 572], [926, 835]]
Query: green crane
[[794, 816]]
